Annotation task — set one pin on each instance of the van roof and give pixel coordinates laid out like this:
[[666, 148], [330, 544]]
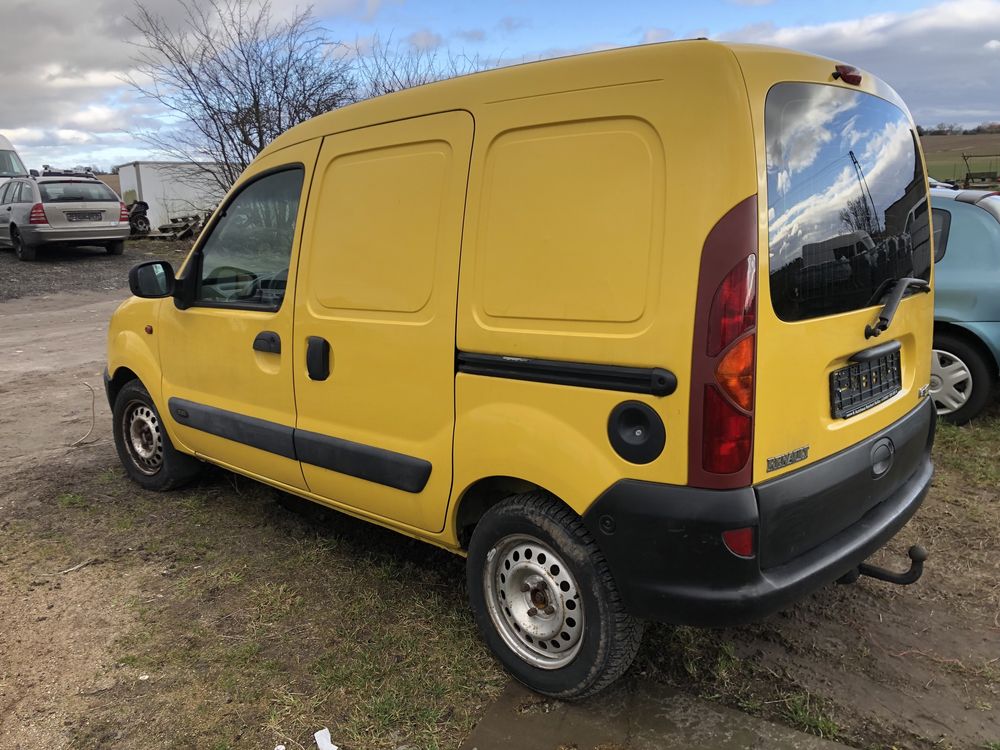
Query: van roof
[[5, 145], [574, 72]]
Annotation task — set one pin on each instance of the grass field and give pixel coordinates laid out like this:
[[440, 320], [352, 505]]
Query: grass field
[[944, 154], [227, 615]]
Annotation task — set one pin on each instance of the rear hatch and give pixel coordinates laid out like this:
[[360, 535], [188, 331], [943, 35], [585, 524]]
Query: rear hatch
[[843, 216], [83, 204]]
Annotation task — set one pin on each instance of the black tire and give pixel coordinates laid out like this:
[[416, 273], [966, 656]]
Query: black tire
[[605, 638], [115, 248], [140, 225], [164, 468], [979, 388], [22, 249]]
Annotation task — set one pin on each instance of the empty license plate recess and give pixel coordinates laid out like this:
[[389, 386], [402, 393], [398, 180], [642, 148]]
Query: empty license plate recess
[[861, 385]]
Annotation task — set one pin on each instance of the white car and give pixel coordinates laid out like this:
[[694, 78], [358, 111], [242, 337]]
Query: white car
[[938, 184], [61, 208]]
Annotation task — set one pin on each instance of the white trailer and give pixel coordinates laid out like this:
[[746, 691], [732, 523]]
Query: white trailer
[[172, 189]]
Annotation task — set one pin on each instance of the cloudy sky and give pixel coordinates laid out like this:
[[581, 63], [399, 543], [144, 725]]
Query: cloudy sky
[[64, 102]]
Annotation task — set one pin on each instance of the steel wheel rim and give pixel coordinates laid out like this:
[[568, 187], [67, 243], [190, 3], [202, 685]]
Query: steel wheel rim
[[951, 382], [143, 437], [534, 601]]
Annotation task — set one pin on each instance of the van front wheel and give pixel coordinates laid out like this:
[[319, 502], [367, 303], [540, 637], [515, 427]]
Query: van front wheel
[[145, 450], [545, 601]]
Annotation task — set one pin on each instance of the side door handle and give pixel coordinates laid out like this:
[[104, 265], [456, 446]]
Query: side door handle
[[267, 341], [317, 358]]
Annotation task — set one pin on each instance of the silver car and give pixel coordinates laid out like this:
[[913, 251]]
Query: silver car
[[61, 209]]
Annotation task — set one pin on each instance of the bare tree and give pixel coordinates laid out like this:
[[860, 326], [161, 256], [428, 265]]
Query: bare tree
[[384, 66], [234, 78], [858, 216]]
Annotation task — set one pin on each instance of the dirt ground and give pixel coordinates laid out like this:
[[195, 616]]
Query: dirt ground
[[228, 616], [80, 269]]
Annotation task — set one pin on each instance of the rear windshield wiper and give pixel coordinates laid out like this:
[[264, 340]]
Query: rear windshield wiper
[[892, 304]]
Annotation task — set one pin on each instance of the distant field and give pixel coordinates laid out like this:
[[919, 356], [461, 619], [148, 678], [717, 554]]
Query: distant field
[[944, 154]]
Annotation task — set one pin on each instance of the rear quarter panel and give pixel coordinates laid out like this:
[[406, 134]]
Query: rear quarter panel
[[684, 104]]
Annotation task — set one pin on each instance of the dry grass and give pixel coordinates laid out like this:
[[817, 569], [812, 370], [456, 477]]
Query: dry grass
[[257, 625]]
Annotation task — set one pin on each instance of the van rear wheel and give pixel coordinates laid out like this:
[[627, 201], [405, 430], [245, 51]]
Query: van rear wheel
[[545, 601]]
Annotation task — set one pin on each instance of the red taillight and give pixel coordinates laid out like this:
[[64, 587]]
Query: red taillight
[[37, 215], [734, 308], [727, 434], [123, 214], [848, 74], [740, 541], [723, 360]]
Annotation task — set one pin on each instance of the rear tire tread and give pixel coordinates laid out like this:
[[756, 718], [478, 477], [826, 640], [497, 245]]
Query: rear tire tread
[[626, 631]]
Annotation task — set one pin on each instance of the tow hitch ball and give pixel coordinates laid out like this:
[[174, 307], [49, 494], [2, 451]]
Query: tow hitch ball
[[917, 555]]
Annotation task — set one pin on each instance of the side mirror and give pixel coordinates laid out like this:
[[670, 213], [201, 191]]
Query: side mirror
[[152, 280], [33, 172]]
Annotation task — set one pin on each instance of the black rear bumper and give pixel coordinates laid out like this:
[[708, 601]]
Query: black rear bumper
[[664, 543]]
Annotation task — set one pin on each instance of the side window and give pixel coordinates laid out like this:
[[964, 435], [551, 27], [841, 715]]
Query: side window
[[27, 194], [244, 261], [942, 225], [4, 189]]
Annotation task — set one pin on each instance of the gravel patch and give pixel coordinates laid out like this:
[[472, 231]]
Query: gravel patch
[[76, 269]]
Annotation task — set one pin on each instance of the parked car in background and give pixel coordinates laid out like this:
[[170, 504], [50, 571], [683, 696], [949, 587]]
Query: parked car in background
[[940, 184], [966, 362], [10, 163], [61, 208]]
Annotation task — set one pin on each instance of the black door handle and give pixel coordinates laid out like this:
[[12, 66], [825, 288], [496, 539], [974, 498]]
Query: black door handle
[[267, 341], [317, 358]]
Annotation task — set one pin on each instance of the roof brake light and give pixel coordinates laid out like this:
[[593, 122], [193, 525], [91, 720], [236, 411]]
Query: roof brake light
[[848, 74]]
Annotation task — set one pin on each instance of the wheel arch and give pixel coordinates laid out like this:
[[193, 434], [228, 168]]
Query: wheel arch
[[485, 493], [119, 378]]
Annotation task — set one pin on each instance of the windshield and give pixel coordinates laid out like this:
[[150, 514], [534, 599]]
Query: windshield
[[847, 207], [72, 191], [11, 166]]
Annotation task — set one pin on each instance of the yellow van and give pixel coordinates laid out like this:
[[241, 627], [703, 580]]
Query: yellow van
[[643, 333]]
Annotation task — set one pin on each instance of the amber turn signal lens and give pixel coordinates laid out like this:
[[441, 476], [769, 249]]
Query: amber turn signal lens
[[735, 372]]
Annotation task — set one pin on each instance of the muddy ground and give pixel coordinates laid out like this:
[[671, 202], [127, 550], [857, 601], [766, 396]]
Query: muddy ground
[[228, 616]]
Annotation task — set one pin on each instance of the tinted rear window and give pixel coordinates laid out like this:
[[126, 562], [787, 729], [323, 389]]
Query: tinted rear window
[[847, 207], [72, 191]]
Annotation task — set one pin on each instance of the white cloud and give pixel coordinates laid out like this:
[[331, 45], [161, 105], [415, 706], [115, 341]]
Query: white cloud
[[424, 39], [509, 24], [471, 35], [992, 45], [931, 56], [652, 35]]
